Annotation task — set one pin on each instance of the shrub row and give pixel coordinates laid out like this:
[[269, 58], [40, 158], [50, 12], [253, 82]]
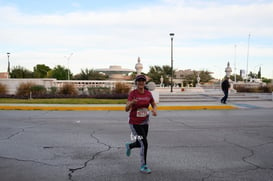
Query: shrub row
[[31, 90], [99, 91], [260, 89], [50, 96]]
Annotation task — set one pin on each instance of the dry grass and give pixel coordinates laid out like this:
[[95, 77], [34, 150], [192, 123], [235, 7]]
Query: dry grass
[[121, 88], [3, 89]]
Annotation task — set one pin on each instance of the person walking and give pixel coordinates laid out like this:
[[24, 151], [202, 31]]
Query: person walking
[[225, 86], [138, 102]]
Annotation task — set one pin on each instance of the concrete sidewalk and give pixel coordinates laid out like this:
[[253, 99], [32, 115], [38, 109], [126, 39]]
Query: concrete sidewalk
[[161, 106]]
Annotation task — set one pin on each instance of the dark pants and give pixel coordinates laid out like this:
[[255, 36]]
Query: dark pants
[[224, 99], [140, 132]]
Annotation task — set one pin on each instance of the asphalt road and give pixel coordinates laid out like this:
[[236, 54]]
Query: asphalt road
[[202, 145]]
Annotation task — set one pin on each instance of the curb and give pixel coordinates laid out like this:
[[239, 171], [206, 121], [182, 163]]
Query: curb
[[114, 108], [197, 107]]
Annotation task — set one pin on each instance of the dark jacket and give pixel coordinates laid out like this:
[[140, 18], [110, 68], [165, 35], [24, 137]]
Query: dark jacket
[[225, 85]]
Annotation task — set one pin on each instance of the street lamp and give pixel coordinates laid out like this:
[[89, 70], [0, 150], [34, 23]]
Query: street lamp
[[172, 35], [247, 57], [8, 64], [235, 46], [68, 58]]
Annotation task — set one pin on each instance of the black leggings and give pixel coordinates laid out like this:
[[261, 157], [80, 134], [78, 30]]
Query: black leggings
[[224, 99], [140, 132]]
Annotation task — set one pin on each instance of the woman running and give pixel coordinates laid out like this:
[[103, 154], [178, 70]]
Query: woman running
[[138, 103]]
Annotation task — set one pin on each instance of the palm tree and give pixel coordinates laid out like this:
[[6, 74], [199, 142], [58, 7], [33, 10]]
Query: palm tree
[[90, 74]]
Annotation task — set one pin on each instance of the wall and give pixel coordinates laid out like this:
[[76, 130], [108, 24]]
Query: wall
[[12, 84]]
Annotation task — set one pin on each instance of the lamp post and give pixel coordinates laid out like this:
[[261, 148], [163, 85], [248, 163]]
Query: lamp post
[[247, 56], [172, 35], [68, 58], [8, 64], [235, 46]]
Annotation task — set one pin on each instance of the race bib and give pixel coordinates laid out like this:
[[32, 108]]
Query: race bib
[[142, 112]]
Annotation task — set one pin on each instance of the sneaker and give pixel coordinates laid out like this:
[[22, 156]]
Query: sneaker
[[145, 169], [128, 149]]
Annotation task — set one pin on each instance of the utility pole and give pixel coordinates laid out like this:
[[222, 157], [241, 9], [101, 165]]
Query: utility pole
[[172, 35], [235, 46], [68, 72], [8, 54], [247, 56]]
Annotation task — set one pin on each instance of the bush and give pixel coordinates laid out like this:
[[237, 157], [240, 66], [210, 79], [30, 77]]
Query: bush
[[24, 89], [257, 89], [30, 89], [267, 89], [121, 88], [53, 90], [99, 90], [38, 90], [3, 89], [68, 89]]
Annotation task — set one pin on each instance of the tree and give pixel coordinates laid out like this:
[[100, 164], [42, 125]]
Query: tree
[[156, 72], [90, 74], [20, 72], [259, 73], [41, 71], [190, 76], [266, 80], [167, 70], [133, 75], [59, 72], [252, 75], [238, 78], [205, 76]]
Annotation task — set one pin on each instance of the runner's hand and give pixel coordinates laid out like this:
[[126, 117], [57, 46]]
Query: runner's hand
[[132, 102], [154, 113]]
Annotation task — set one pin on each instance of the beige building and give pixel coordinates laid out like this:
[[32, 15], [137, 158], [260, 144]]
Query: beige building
[[116, 72], [4, 75]]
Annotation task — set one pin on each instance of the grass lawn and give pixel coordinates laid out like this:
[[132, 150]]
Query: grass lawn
[[63, 101]]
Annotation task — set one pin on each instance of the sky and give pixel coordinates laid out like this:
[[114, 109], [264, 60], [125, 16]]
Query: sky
[[80, 34]]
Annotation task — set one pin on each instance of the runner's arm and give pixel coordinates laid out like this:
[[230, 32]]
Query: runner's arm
[[129, 105], [154, 110]]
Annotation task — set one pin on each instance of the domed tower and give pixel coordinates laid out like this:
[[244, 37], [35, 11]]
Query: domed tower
[[228, 70], [138, 67]]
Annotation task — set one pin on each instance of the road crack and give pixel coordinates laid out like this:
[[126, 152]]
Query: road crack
[[32, 161], [108, 147], [16, 133], [246, 157], [21, 130], [181, 123]]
